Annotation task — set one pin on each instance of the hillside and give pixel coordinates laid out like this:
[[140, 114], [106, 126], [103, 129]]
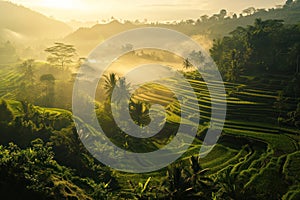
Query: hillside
[[290, 14], [25, 24], [86, 39]]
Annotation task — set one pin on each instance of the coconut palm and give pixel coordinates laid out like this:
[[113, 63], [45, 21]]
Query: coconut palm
[[188, 182], [122, 91], [176, 185], [187, 64], [139, 112], [110, 83]]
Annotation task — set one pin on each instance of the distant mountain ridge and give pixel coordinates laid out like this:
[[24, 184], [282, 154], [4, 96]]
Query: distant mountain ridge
[[85, 39], [289, 13], [18, 22]]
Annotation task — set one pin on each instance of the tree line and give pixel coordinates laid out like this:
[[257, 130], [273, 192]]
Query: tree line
[[269, 47]]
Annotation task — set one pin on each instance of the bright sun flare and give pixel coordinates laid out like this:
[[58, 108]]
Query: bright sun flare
[[65, 4]]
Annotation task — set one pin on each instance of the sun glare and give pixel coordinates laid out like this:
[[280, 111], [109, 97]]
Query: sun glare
[[60, 4]]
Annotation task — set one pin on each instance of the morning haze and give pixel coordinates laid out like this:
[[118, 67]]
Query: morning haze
[[153, 10]]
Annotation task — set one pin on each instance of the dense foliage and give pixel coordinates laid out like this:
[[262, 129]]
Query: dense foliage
[[266, 47]]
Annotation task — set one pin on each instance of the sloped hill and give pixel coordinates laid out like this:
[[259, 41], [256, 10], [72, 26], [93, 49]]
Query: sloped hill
[[18, 22], [290, 14], [106, 30], [85, 39]]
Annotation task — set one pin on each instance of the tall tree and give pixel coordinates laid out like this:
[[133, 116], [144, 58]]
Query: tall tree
[[222, 14], [122, 91], [139, 112], [187, 64], [110, 83], [61, 54], [27, 70], [235, 69], [217, 52], [27, 90], [49, 81]]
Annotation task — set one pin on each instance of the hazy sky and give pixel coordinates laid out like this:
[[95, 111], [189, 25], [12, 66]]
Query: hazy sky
[[139, 9]]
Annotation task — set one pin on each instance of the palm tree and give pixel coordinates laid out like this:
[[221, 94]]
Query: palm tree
[[122, 90], [139, 112], [176, 185], [110, 83], [187, 64], [188, 182]]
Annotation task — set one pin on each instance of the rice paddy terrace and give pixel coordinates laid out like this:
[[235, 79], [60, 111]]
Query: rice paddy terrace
[[251, 142], [9, 77]]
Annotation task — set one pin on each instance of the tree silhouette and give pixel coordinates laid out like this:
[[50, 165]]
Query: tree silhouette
[[222, 14], [122, 90], [27, 90], [27, 69], [110, 83], [61, 54], [5, 115], [235, 69], [183, 182], [49, 81], [139, 112], [217, 52], [187, 64]]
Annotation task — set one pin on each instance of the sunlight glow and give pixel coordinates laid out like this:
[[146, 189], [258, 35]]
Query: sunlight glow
[[153, 10], [60, 4]]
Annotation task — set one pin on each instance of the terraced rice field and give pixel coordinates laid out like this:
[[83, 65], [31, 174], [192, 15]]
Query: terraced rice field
[[9, 77], [251, 140]]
